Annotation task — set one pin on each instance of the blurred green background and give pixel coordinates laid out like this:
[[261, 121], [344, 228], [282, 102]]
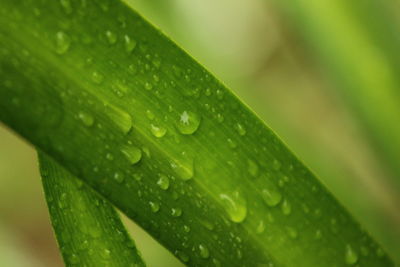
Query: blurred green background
[[260, 54]]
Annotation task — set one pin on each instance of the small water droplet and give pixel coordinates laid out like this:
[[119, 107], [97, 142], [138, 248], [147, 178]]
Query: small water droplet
[[132, 153], [86, 118], [106, 253], [252, 168], [351, 256], [220, 118], [231, 143], [148, 86], [154, 206], [188, 123], [292, 232], [260, 227], [150, 115], [111, 37], [130, 44], [97, 77], [286, 207], [158, 131], [163, 182], [66, 6], [204, 252], [182, 256], [184, 168], [119, 177], [271, 197], [240, 129], [235, 205], [176, 212], [121, 118], [276, 165], [63, 42]]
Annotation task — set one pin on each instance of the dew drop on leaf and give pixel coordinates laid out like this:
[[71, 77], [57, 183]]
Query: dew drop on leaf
[[271, 197], [351, 256], [286, 207], [111, 37], [235, 205], [158, 131], [204, 252], [240, 129], [130, 44], [176, 212], [252, 167], [97, 77], [163, 182], [154, 206], [119, 177], [86, 118], [188, 123], [132, 154], [63, 42]]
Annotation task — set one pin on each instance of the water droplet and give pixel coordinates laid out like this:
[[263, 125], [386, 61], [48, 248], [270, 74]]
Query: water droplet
[[351, 256], [158, 131], [176, 212], [154, 206], [276, 165], [184, 168], [260, 227], [220, 118], [73, 259], [111, 37], [182, 256], [240, 129], [121, 118], [119, 177], [271, 197], [252, 167], [286, 207], [186, 228], [150, 115], [204, 252], [86, 118], [130, 44], [148, 86], [66, 6], [292, 232], [163, 182], [97, 77], [188, 122], [235, 205], [106, 253], [63, 42], [132, 153], [231, 143]]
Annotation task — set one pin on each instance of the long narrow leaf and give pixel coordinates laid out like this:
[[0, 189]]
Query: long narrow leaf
[[88, 229], [123, 108]]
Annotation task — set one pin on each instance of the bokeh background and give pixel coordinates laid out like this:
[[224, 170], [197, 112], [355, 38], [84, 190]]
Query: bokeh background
[[258, 52]]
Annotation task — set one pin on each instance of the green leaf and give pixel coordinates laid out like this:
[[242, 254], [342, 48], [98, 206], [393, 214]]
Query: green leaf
[[361, 55], [120, 106], [88, 229]]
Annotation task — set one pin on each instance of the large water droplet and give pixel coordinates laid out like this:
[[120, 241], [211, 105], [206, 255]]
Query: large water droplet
[[235, 205], [121, 118], [130, 44], [86, 118], [158, 131], [204, 252], [184, 168], [63, 42], [163, 182], [271, 197], [132, 153], [188, 122], [351, 256]]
